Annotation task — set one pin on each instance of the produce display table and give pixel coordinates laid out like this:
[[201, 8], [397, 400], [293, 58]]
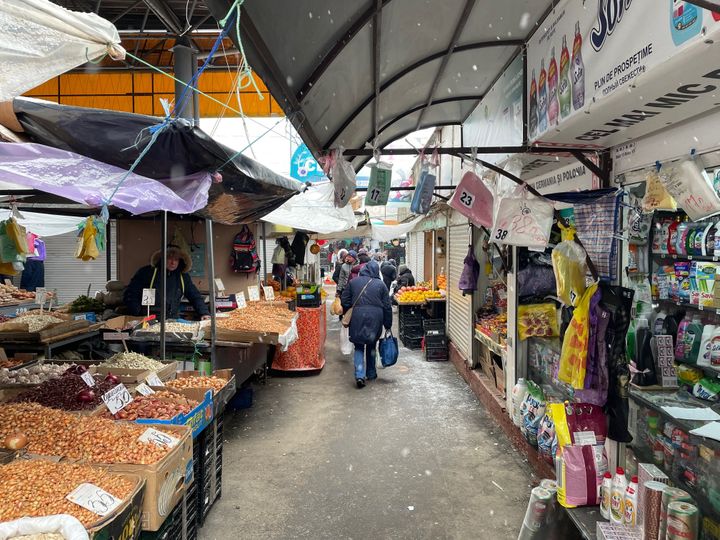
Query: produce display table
[[243, 358], [48, 346], [307, 353]]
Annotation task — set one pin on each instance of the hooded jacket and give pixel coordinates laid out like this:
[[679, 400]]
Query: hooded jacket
[[389, 272], [179, 284], [372, 310], [405, 277]]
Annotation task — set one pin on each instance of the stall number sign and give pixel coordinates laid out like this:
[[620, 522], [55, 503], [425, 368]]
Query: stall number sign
[[93, 498], [117, 398], [374, 194], [154, 380], [88, 378], [467, 199], [144, 389], [253, 293], [158, 438], [240, 300], [269, 293], [148, 297]]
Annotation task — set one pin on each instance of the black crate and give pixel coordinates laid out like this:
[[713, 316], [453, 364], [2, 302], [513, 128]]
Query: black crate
[[436, 341], [435, 310], [436, 354], [410, 334], [411, 343], [171, 528], [434, 327]]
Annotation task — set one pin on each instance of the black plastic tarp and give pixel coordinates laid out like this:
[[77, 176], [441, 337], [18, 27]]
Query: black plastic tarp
[[248, 190]]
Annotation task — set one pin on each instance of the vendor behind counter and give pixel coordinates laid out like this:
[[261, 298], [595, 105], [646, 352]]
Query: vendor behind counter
[[179, 284]]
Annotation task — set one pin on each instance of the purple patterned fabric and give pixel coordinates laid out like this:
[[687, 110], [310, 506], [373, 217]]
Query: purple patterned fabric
[[596, 374]]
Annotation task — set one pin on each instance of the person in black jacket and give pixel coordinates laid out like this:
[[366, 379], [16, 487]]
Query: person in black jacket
[[369, 298], [179, 284], [363, 256], [405, 277], [388, 269]]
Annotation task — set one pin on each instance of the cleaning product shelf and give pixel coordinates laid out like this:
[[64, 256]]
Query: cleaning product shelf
[[713, 371], [689, 305], [703, 258]]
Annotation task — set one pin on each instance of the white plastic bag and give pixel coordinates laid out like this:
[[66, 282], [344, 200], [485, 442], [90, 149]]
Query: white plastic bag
[[523, 220], [691, 187], [343, 177], [345, 346], [65, 524]]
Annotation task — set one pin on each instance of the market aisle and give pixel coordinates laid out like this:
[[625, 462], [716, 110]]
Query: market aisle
[[413, 455]]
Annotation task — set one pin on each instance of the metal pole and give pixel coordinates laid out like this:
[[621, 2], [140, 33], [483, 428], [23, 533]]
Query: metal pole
[[163, 284], [211, 287], [195, 95], [264, 265], [108, 251], [183, 66]]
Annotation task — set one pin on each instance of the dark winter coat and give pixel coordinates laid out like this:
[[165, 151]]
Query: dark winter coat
[[405, 277], [33, 275], [372, 310], [363, 258], [389, 273], [143, 279]]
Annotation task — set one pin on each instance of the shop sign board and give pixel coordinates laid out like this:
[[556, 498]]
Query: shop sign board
[[572, 177], [304, 167], [498, 118], [602, 72]]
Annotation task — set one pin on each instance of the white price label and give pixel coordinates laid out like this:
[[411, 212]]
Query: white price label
[[219, 285], [144, 389], [148, 297], [40, 295], [253, 293], [117, 398], [269, 293], [154, 380], [93, 498], [88, 378], [158, 438], [8, 282], [467, 199], [240, 300]]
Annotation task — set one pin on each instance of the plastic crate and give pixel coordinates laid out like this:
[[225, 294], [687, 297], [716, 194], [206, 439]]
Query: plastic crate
[[436, 342], [434, 327], [411, 343], [171, 529], [435, 310], [308, 296], [436, 354]]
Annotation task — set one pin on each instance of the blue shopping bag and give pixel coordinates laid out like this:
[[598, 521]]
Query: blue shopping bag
[[388, 349]]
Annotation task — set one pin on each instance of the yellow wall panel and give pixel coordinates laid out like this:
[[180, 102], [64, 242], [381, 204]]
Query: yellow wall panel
[[142, 82], [47, 88], [95, 83], [114, 103], [143, 105]]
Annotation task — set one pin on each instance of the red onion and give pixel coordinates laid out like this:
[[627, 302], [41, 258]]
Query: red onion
[[112, 378], [86, 395]]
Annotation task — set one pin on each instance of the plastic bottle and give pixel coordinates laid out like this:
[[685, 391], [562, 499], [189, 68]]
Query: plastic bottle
[[630, 340], [672, 236], [519, 393], [564, 90], [533, 120], [715, 347], [693, 339], [605, 490], [659, 322], [553, 106], [643, 354], [680, 341], [708, 248], [578, 71], [630, 503], [542, 98], [617, 496], [665, 231], [703, 357], [685, 21], [681, 237]]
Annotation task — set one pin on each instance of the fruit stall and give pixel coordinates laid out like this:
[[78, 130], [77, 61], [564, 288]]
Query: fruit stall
[[421, 319]]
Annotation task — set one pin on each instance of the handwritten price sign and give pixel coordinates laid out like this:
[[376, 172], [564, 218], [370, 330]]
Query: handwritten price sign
[[253, 293], [269, 293], [240, 300], [154, 380], [158, 438], [93, 498], [116, 399]]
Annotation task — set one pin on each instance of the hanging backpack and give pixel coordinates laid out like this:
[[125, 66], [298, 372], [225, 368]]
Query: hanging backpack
[[244, 257]]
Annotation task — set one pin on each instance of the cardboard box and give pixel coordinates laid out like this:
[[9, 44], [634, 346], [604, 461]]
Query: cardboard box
[[165, 480], [220, 399], [132, 376], [499, 374], [121, 323], [125, 522], [486, 363], [197, 419]]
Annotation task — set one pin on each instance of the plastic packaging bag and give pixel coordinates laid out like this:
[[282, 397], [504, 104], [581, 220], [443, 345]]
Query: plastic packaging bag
[[343, 177], [523, 220], [473, 200], [388, 349], [691, 187], [537, 320], [65, 524], [656, 196], [379, 184], [532, 411], [570, 268], [546, 438], [336, 308], [582, 473], [573, 357], [345, 346], [422, 197]]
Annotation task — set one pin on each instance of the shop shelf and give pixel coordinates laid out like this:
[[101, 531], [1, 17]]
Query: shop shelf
[[689, 305], [707, 258], [489, 343], [713, 371]]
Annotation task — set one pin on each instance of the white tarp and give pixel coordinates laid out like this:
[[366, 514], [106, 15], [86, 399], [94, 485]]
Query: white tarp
[[45, 224], [40, 40], [385, 233], [314, 210]]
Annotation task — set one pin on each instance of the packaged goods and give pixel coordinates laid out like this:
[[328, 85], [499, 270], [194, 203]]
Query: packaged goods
[[533, 410], [630, 503], [605, 495], [537, 320], [519, 393], [546, 438], [670, 494], [617, 496], [683, 521], [707, 389]]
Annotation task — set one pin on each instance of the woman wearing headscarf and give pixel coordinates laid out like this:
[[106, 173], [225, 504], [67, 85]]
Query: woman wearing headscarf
[[368, 296]]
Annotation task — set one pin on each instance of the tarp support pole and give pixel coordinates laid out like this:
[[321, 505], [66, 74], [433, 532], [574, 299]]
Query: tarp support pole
[[264, 265], [108, 251], [603, 175], [163, 283], [183, 66], [211, 287]]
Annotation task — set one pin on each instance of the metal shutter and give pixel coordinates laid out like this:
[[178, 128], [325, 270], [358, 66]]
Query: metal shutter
[[70, 276], [419, 268], [459, 306]]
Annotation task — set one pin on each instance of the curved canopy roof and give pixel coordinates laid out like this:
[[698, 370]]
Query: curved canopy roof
[[356, 72]]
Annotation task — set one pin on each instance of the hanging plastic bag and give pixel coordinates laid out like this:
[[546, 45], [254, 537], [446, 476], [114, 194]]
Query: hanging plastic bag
[[343, 177], [346, 347], [473, 200], [336, 308], [523, 220], [537, 320], [691, 187], [18, 235], [573, 357], [570, 268], [378, 189], [422, 198], [656, 196], [91, 239], [470, 273]]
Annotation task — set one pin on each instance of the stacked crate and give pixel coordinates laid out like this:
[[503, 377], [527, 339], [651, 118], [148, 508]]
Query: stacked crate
[[410, 320], [435, 340], [210, 469]]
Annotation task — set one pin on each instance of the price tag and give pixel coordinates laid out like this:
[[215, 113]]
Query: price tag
[[240, 300], [88, 378], [144, 389], [148, 297], [219, 285], [467, 199], [117, 398], [158, 438], [154, 380], [8, 282], [93, 498], [269, 293], [41, 295], [253, 293]]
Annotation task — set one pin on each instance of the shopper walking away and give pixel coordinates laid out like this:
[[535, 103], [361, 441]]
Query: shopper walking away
[[388, 269], [337, 266], [405, 277], [345, 271], [371, 312], [363, 256]]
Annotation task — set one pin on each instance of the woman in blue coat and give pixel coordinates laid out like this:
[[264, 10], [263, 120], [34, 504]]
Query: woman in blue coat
[[368, 296]]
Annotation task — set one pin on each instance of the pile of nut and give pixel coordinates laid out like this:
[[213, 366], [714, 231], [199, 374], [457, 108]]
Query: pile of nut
[[261, 317], [32, 375], [216, 383], [175, 328], [37, 488], [52, 432], [10, 293], [34, 322], [132, 360], [152, 407]]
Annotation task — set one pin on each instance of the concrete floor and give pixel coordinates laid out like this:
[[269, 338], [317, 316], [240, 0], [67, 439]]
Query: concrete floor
[[413, 455]]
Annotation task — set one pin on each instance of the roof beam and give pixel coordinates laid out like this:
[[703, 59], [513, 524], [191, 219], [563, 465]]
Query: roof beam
[[376, 66], [336, 49], [469, 4], [468, 150], [423, 106], [166, 15], [128, 10], [392, 80], [707, 4]]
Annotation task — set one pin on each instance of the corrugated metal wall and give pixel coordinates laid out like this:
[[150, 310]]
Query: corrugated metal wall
[[418, 267], [460, 328]]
